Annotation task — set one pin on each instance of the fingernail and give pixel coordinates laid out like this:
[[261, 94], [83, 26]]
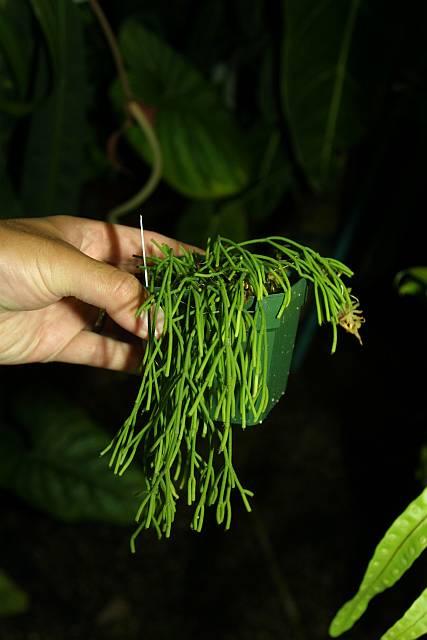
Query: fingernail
[[143, 327], [157, 315], [160, 321]]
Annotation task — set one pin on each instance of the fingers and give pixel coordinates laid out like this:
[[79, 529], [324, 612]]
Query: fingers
[[68, 256], [102, 286], [100, 351], [152, 239], [112, 243]]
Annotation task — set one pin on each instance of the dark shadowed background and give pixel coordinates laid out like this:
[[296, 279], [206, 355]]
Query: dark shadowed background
[[301, 118]]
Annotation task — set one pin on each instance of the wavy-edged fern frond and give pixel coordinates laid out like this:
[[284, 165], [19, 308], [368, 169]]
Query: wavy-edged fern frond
[[413, 623], [404, 541]]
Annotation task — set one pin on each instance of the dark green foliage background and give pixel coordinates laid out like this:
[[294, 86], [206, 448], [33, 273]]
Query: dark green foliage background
[[255, 104], [300, 117]]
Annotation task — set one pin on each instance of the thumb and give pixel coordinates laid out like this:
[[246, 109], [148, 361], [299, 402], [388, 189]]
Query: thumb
[[104, 286]]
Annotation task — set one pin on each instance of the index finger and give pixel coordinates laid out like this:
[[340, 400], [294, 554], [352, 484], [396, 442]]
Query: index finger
[[155, 240], [112, 243]]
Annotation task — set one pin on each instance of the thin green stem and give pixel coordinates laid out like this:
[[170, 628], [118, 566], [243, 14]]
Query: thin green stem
[[210, 367]]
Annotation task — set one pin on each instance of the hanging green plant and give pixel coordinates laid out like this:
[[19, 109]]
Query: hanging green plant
[[230, 319]]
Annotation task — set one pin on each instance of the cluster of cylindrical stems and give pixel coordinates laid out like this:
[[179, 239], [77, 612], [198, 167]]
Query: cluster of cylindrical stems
[[209, 364]]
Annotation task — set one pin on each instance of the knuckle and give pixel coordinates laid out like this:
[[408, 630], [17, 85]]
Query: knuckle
[[126, 287], [59, 218]]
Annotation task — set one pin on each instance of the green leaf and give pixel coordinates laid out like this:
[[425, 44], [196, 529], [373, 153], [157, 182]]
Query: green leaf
[[10, 207], [13, 600], [15, 47], [50, 14], [11, 449], [413, 624], [202, 148], [320, 94], [204, 220], [404, 541], [53, 168], [231, 222], [12, 51], [412, 281], [15, 62], [271, 175], [16, 108], [61, 471], [195, 222]]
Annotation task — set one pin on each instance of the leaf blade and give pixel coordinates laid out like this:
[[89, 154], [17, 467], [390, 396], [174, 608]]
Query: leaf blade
[[47, 15], [403, 542], [413, 623], [412, 281], [53, 167], [332, 119], [203, 152], [13, 600], [315, 56], [62, 472]]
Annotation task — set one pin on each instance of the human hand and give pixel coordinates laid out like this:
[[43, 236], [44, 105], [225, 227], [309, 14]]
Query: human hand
[[55, 275]]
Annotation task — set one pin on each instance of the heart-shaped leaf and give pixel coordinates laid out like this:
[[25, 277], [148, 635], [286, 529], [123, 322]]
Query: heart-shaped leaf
[[202, 149], [61, 471], [12, 599]]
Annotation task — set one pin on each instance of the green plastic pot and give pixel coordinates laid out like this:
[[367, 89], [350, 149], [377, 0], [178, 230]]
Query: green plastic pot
[[281, 334]]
